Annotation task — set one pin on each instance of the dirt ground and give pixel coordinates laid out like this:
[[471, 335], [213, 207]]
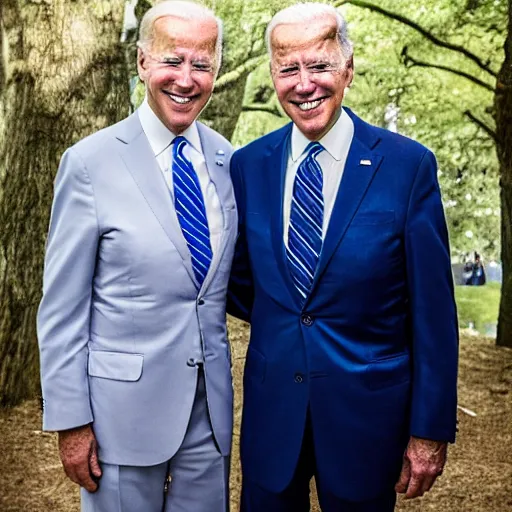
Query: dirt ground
[[478, 476]]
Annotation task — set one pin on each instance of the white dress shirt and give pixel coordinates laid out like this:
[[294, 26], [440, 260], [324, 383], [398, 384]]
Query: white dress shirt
[[160, 139], [336, 143]]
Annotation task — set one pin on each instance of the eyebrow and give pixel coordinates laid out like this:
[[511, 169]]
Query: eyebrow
[[309, 62], [177, 58], [171, 57]]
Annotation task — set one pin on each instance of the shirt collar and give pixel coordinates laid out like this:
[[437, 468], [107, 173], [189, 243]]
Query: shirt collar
[[159, 136], [336, 141]]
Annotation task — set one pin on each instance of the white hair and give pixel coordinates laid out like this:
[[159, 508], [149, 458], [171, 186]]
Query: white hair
[[304, 12], [182, 9]]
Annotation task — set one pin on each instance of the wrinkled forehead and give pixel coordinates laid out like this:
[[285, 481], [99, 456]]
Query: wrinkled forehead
[[319, 36], [171, 33]]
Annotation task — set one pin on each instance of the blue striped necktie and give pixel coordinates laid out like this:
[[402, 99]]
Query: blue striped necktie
[[191, 211], [306, 221]]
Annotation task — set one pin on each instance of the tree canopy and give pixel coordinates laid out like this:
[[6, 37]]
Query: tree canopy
[[449, 112]]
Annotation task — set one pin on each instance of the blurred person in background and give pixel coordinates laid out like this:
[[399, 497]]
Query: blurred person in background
[[473, 273]]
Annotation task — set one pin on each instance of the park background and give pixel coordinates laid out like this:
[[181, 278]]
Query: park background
[[439, 71]]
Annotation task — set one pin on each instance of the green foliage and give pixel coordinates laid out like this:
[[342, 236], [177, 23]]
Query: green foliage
[[432, 102], [478, 306], [259, 90]]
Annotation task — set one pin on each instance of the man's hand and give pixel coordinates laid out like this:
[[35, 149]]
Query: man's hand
[[424, 461], [79, 455]]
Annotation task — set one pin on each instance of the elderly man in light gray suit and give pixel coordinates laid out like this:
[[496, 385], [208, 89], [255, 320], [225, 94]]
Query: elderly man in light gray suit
[[135, 361]]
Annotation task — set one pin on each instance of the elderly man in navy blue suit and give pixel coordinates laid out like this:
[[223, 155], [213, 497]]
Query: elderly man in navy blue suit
[[352, 364]]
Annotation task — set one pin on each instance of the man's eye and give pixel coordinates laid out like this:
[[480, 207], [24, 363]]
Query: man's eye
[[288, 71], [320, 67], [173, 63], [203, 67]]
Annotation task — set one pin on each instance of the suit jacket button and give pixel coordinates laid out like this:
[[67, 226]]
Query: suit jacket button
[[200, 302], [299, 378], [191, 362], [307, 320]]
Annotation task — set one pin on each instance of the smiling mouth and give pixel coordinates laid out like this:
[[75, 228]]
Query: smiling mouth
[[182, 100], [308, 105]]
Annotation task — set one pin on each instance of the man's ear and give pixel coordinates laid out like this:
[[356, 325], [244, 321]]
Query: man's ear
[[141, 64], [271, 68], [350, 70]]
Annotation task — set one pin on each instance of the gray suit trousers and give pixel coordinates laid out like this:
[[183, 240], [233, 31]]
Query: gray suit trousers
[[198, 474]]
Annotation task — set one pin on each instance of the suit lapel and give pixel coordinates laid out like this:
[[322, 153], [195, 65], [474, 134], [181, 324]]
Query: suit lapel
[[142, 165], [277, 161], [219, 175], [361, 165]]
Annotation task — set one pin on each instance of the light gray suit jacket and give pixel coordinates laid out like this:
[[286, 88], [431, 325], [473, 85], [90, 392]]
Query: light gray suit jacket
[[121, 315]]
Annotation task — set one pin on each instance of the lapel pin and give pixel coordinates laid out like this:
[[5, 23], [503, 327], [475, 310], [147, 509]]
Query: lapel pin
[[365, 162], [220, 152], [219, 162]]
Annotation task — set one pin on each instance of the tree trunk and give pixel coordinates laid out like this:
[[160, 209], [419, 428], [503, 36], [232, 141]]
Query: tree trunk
[[503, 104], [225, 107], [62, 76]]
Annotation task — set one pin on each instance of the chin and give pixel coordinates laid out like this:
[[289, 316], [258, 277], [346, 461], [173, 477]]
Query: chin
[[181, 122], [312, 132]]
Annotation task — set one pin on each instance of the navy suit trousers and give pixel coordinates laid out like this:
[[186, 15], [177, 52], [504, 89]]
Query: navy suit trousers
[[296, 497]]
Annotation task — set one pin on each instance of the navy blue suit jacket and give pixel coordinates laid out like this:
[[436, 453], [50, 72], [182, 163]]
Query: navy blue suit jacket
[[373, 351]]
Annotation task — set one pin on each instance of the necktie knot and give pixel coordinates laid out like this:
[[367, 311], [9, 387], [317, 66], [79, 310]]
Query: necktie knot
[[313, 149], [179, 144]]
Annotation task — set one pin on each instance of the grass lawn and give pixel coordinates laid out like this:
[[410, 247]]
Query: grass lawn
[[478, 305]]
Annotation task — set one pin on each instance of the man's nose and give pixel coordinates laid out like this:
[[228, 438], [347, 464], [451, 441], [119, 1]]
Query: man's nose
[[184, 78], [305, 85]]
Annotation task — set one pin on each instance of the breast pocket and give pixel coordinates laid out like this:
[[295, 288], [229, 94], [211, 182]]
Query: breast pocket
[[373, 218], [370, 234]]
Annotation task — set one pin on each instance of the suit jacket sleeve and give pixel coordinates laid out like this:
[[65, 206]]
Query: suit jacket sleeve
[[433, 310], [240, 291], [63, 322]]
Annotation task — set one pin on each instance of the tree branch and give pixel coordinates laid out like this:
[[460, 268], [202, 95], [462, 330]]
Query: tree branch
[[233, 76], [487, 129], [262, 107], [411, 61], [424, 32]]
